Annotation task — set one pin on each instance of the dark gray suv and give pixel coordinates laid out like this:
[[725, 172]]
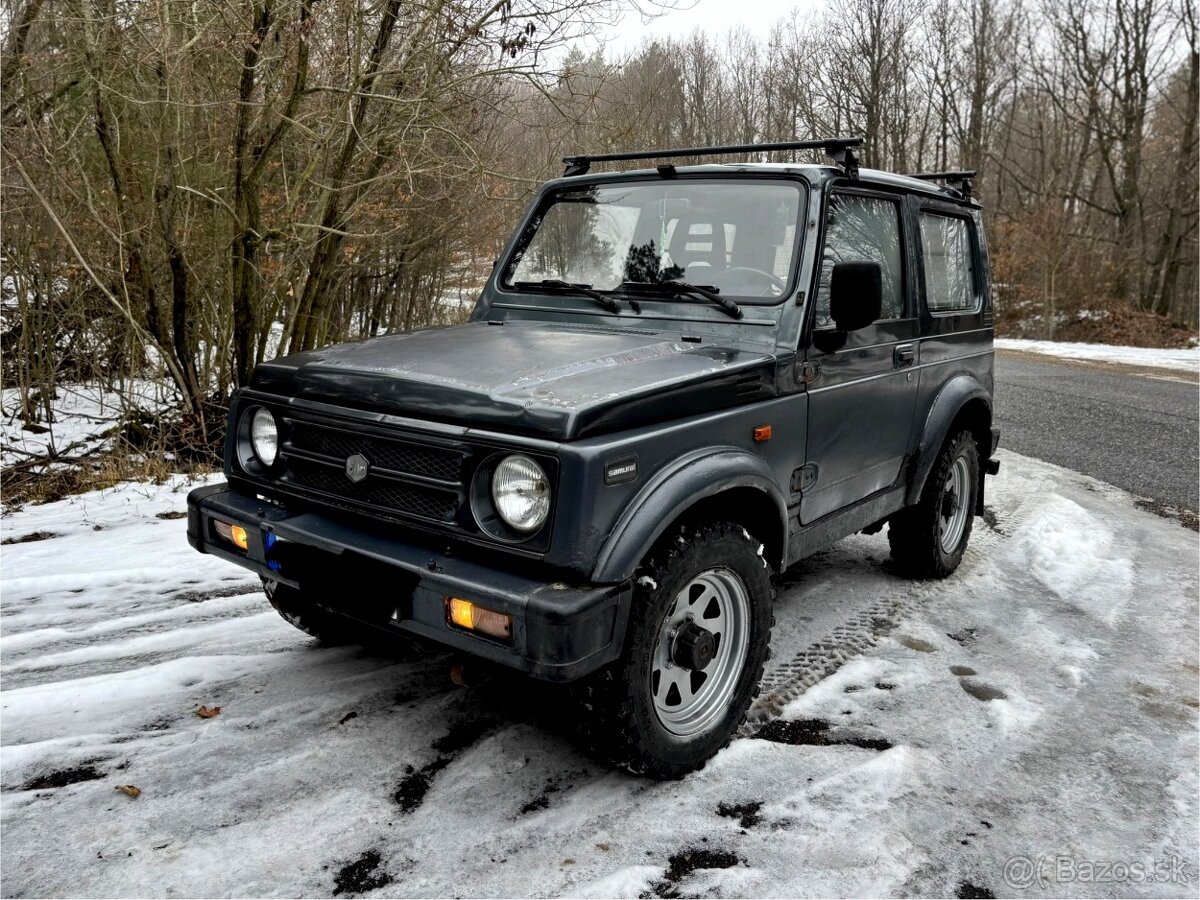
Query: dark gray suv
[[677, 382]]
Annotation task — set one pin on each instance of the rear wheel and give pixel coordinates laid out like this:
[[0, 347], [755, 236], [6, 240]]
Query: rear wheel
[[928, 540], [693, 655]]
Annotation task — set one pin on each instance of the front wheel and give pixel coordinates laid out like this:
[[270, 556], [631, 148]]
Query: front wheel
[[698, 636], [928, 540], [298, 608]]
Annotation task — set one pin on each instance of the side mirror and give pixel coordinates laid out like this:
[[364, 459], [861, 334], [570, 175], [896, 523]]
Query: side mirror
[[855, 294]]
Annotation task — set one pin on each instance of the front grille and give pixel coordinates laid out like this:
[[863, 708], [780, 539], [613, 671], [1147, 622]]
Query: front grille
[[374, 491], [381, 453], [398, 478]]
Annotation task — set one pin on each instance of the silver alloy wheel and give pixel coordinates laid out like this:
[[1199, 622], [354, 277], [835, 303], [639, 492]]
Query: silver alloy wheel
[[688, 701], [954, 510]]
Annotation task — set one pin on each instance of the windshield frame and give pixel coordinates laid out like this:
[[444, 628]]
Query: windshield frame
[[552, 190]]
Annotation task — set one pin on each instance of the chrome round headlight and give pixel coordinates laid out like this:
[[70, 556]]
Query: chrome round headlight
[[264, 436], [521, 493]]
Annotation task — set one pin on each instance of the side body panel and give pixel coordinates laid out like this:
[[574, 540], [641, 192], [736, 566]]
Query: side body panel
[[860, 417], [610, 527], [678, 486], [953, 363], [956, 354], [861, 402]]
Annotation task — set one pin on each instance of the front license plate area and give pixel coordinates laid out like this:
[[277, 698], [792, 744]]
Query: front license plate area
[[346, 582]]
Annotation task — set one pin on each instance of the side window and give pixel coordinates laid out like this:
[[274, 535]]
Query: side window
[[949, 263], [865, 229]]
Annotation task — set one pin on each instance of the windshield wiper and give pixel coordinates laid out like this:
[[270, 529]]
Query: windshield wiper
[[558, 286], [677, 288]]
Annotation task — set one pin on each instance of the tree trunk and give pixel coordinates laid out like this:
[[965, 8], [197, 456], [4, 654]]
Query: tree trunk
[[251, 149], [1166, 270], [306, 326]]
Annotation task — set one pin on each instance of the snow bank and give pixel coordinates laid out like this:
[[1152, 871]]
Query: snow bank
[[1074, 555], [1183, 360]]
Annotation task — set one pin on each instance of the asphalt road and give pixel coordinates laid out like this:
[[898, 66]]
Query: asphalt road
[[1135, 428]]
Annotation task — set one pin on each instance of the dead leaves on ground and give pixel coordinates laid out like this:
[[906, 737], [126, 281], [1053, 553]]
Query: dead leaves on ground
[[205, 713], [129, 790]]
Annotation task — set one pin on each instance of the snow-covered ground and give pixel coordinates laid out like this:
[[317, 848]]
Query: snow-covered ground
[[1151, 357], [84, 419], [1033, 718]]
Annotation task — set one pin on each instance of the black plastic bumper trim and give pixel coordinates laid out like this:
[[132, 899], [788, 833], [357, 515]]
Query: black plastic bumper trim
[[561, 632]]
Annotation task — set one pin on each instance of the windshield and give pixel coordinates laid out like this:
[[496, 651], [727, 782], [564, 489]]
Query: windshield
[[736, 236]]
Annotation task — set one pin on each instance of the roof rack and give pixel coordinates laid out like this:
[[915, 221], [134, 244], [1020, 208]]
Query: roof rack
[[841, 150], [958, 181]]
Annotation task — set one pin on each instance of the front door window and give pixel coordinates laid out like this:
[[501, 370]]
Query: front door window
[[863, 229]]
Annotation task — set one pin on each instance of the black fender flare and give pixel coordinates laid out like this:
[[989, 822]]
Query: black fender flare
[[954, 395], [672, 491]]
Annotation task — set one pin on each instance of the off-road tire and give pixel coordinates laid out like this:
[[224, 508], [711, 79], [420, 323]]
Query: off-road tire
[[299, 610], [913, 533], [618, 721]]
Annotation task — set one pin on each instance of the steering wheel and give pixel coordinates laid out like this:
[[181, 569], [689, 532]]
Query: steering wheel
[[745, 276]]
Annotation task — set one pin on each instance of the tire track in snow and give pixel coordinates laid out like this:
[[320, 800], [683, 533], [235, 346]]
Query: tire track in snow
[[16, 646], [242, 630], [786, 681]]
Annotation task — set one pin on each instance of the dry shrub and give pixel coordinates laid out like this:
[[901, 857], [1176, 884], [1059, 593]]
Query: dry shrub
[[20, 486], [145, 447]]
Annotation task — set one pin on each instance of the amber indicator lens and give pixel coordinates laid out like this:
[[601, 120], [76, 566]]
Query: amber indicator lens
[[762, 433], [466, 615], [235, 534]]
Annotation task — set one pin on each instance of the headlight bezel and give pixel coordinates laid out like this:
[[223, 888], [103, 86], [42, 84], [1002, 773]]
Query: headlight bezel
[[249, 456], [484, 507]]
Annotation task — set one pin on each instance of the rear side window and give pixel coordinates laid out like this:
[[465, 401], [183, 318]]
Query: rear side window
[[863, 229], [949, 263]]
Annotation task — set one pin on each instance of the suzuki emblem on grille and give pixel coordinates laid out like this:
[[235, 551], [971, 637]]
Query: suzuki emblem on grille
[[357, 467]]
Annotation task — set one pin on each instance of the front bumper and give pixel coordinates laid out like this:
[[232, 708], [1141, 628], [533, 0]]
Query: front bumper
[[560, 632]]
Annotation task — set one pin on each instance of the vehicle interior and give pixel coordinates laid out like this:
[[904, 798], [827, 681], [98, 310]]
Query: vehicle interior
[[736, 236]]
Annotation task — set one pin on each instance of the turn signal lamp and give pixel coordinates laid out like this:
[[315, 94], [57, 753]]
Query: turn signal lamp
[[240, 538], [762, 433], [235, 534], [466, 615]]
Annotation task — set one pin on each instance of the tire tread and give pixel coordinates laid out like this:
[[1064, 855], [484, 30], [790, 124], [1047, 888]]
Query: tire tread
[[608, 726], [913, 532]]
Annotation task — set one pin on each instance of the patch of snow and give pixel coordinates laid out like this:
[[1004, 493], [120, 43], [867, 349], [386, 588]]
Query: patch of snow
[[1152, 357], [844, 684], [1074, 555], [84, 417], [735, 757], [647, 581], [630, 881], [1012, 714], [274, 342]]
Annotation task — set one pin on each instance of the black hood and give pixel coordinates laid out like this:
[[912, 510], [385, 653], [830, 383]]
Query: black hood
[[548, 380]]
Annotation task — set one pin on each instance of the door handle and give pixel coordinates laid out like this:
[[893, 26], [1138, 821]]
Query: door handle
[[904, 355]]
